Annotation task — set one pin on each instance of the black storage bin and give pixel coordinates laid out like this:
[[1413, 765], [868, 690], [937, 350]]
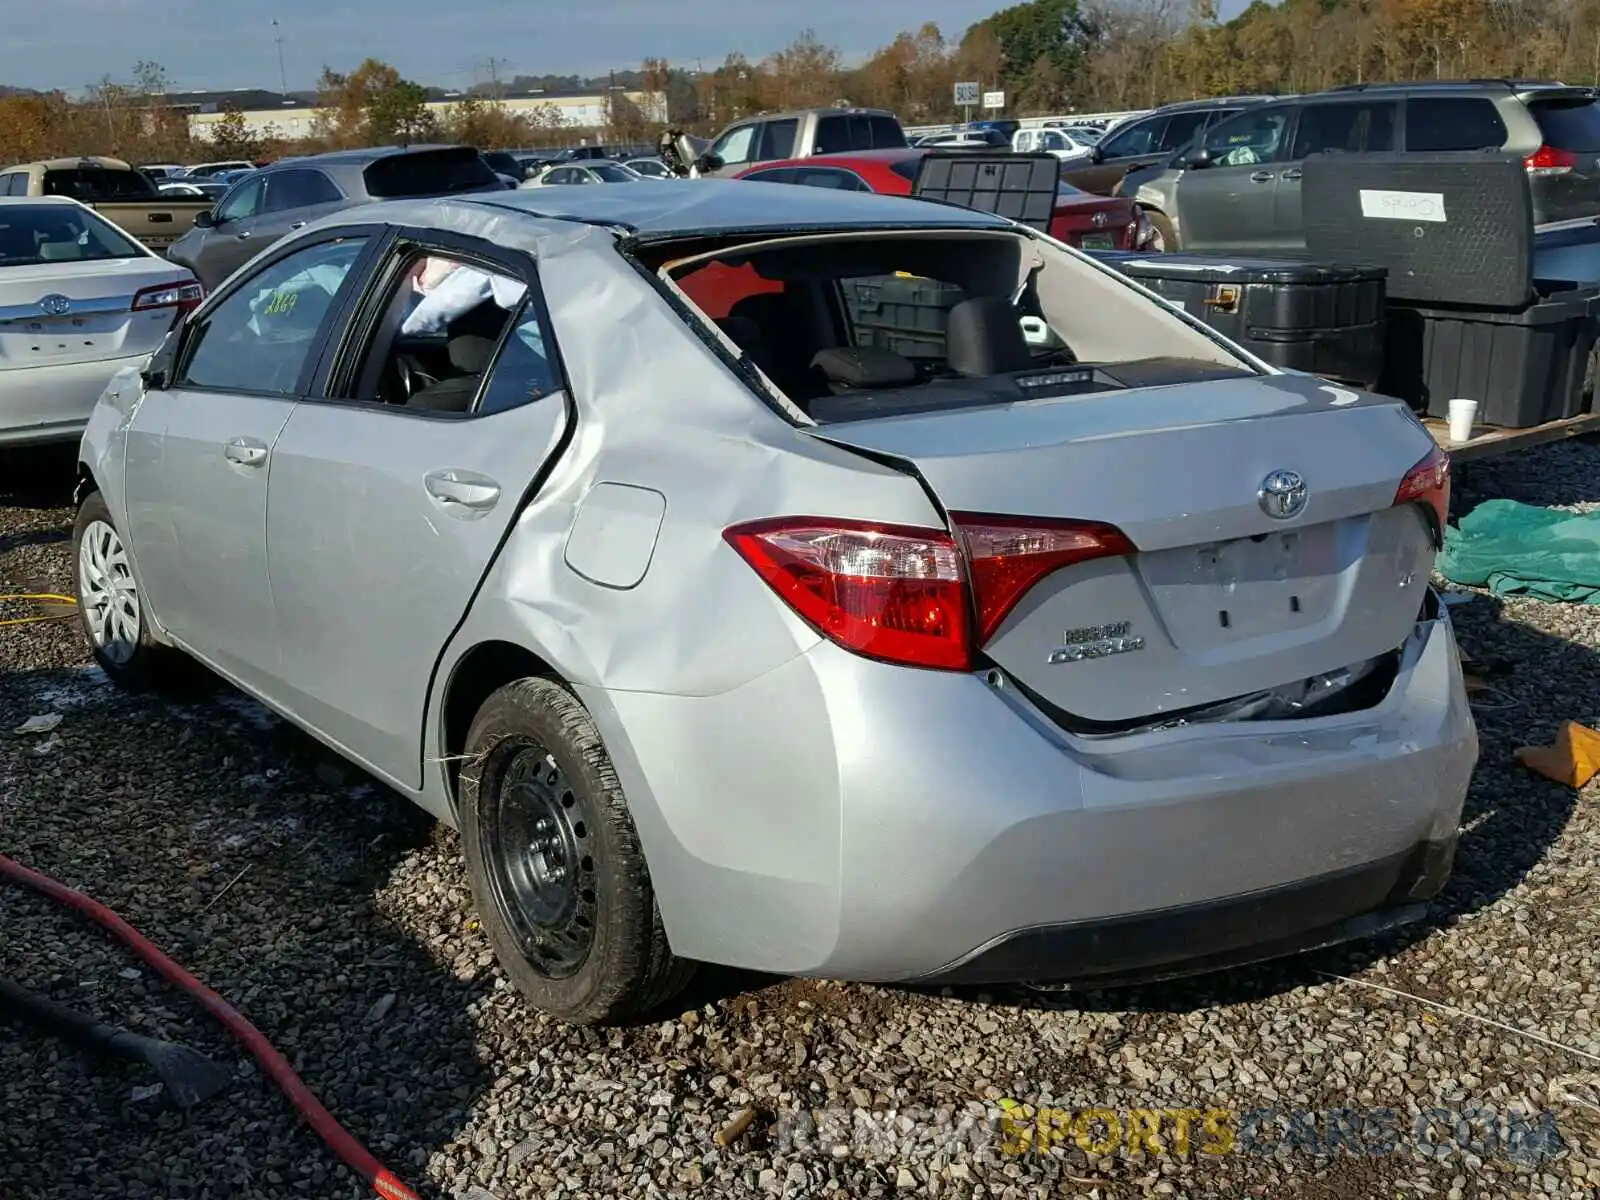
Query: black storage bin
[[1450, 228], [1022, 187], [1324, 320], [1523, 368], [904, 314]]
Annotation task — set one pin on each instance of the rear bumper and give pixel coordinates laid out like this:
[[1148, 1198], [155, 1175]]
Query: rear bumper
[[51, 402], [843, 818]]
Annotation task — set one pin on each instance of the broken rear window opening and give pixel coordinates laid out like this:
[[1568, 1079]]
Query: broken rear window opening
[[850, 326]]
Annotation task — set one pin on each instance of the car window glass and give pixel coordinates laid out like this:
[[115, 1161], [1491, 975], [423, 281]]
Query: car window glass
[[8, 185], [1453, 123], [611, 173], [244, 201], [833, 135], [885, 133], [259, 337], [781, 175], [1182, 128], [1254, 136], [1139, 138], [736, 145], [525, 369], [827, 177], [1344, 129], [298, 189], [1568, 125], [777, 139]]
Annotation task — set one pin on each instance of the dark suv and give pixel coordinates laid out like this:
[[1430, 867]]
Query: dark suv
[[1236, 188], [1151, 138], [292, 192]]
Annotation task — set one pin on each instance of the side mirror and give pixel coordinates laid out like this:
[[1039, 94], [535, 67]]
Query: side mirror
[[708, 162], [1097, 155], [205, 220], [1198, 159]]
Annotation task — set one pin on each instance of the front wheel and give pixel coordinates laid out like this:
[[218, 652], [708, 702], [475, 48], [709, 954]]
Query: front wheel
[[1166, 238], [558, 874], [111, 610]]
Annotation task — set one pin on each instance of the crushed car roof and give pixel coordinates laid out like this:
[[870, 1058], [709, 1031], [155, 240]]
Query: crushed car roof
[[672, 208]]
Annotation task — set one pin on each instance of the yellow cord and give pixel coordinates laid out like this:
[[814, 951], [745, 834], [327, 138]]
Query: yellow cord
[[38, 597]]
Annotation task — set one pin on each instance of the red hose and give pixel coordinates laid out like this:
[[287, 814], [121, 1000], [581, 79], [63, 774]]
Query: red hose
[[320, 1119]]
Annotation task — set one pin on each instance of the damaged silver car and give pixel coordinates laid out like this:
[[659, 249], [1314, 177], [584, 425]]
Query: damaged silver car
[[815, 582]]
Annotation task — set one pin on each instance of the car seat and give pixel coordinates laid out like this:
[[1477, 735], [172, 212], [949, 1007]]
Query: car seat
[[470, 354], [983, 337]]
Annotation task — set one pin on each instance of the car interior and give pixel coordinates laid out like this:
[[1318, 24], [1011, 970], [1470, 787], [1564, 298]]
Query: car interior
[[850, 328], [438, 334]]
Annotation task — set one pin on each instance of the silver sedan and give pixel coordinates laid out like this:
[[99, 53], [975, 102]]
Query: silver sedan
[[814, 582]]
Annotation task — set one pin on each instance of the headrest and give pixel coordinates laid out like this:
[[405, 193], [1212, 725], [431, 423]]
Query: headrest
[[471, 354], [859, 367], [984, 337]]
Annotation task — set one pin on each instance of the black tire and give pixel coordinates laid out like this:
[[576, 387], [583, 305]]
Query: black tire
[[558, 875], [146, 664], [1164, 230]]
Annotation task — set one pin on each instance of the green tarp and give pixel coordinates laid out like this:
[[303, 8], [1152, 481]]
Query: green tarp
[[1519, 550]]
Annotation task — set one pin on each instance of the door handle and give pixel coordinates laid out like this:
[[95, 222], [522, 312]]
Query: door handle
[[246, 452], [1261, 177], [1291, 173], [298, 225], [243, 234], [462, 492]]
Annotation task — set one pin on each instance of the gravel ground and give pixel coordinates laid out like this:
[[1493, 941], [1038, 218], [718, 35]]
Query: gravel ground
[[338, 920]]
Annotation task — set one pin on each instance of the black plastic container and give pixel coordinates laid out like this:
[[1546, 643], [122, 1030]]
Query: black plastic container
[[1324, 320], [1523, 368], [906, 315]]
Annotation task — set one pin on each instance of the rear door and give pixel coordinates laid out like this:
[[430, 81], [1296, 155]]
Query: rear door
[[294, 199], [1335, 127], [1566, 178], [1231, 205], [1219, 599], [388, 505]]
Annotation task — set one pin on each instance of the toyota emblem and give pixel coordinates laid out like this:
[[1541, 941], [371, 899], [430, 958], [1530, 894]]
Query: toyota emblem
[[1099, 219], [55, 305], [1283, 495]]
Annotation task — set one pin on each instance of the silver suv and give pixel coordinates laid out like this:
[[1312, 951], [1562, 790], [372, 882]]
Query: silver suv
[[1236, 188]]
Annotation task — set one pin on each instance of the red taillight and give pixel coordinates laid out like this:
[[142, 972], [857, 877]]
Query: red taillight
[[184, 295], [1008, 555], [1547, 160], [886, 591], [1428, 483]]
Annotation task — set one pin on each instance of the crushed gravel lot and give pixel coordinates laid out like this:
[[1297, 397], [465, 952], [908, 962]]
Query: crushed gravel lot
[[337, 918]]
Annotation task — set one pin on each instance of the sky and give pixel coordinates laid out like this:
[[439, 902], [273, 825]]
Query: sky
[[205, 44]]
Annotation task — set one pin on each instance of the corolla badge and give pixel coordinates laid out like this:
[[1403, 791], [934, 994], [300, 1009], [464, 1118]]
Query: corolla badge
[[1097, 641], [1282, 495], [55, 305]]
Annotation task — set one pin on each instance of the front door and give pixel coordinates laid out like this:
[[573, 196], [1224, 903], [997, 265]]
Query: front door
[[231, 241], [199, 455], [1230, 206], [391, 492]]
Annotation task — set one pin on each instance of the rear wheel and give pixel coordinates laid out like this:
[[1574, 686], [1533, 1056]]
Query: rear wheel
[[110, 607], [1166, 238], [558, 875]]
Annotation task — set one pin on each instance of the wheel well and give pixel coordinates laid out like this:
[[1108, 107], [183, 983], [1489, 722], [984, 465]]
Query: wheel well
[[481, 672], [84, 484]]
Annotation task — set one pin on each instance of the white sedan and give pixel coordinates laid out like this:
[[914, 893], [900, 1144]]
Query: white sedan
[[594, 171], [79, 300]]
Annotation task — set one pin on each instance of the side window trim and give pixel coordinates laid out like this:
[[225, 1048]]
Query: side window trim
[[377, 240], [341, 359]]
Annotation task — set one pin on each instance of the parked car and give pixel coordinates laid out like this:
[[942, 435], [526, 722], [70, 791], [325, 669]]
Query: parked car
[[589, 172], [125, 197], [79, 300], [293, 192], [964, 139], [1066, 144], [1236, 188], [200, 189], [1088, 222], [160, 171], [650, 168], [1022, 663], [503, 162], [774, 137], [207, 170], [1152, 138]]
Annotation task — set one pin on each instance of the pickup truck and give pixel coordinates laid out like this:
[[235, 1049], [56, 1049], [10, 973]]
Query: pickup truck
[[771, 137], [125, 197]]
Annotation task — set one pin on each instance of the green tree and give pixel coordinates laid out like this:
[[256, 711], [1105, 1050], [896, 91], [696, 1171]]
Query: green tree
[[1053, 30]]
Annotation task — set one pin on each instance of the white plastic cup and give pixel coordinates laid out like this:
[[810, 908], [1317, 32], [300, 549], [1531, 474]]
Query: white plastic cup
[[1463, 413]]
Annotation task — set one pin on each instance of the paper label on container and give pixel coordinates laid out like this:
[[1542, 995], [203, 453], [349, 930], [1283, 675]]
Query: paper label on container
[[1403, 206]]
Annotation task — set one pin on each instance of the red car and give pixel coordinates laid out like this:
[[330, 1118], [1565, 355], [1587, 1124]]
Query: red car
[[1081, 220]]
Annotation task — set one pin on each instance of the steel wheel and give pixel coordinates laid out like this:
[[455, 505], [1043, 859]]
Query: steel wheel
[[107, 594], [538, 847]]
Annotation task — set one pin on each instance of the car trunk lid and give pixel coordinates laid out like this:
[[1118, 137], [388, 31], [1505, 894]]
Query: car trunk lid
[[1220, 599], [81, 312]]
